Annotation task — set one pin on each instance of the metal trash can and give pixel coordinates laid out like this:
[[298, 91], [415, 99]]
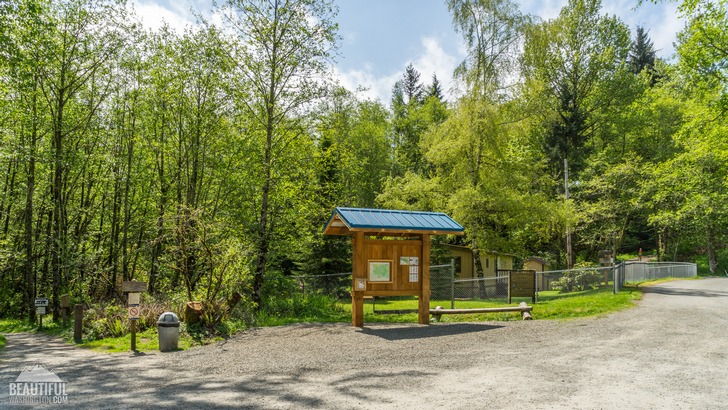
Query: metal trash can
[[168, 329]]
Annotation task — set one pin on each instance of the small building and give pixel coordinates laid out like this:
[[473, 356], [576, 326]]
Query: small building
[[539, 265], [491, 261], [390, 252]]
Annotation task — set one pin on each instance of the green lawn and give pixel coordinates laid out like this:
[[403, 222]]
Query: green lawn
[[551, 305], [16, 325], [147, 341]]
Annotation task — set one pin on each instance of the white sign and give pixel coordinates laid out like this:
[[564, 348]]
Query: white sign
[[134, 298], [41, 302], [40, 310], [134, 312], [361, 284]]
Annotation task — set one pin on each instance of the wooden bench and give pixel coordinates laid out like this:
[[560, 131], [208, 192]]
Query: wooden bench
[[522, 307]]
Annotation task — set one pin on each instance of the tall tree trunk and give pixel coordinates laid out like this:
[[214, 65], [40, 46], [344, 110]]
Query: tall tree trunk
[[127, 208], [163, 188], [711, 249], [58, 238], [263, 237], [9, 194], [30, 285]]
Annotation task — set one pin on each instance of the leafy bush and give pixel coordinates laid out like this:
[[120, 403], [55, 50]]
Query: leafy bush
[[111, 320], [578, 280]]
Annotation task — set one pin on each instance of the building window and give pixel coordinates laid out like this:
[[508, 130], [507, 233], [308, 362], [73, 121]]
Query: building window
[[487, 263], [458, 265]]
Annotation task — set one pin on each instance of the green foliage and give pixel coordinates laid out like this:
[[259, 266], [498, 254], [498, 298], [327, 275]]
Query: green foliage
[[579, 279], [642, 54], [205, 164], [3, 342], [577, 62], [300, 308], [704, 265], [492, 30], [17, 325]]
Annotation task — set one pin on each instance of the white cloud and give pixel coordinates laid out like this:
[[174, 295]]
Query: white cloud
[[664, 34], [436, 61], [375, 87], [154, 16], [432, 59]]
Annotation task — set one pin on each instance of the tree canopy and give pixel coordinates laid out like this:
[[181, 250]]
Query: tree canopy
[[206, 161]]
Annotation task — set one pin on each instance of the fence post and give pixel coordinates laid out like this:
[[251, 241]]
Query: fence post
[[452, 283]]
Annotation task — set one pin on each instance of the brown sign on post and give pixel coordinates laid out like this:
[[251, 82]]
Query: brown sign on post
[[133, 286], [522, 283]]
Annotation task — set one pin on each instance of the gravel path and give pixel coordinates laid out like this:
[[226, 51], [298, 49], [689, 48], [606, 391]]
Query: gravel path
[[669, 352]]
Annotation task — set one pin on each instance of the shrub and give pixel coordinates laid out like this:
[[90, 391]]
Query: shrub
[[578, 280], [110, 320]]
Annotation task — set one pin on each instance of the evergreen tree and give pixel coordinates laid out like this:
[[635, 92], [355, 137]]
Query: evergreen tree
[[412, 88], [642, 55], [435, 89]]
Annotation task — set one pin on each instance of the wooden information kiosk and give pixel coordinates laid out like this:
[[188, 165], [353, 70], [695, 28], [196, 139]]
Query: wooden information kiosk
[[391, 253]]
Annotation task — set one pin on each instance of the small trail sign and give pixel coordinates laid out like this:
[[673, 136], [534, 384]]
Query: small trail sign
[[134, 312], [41, 304], [133, 286]]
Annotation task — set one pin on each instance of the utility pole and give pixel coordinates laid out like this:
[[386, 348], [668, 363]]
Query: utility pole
[[568, 227]]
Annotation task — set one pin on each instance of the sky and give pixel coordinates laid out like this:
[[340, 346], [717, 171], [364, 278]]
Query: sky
[[379, 38]]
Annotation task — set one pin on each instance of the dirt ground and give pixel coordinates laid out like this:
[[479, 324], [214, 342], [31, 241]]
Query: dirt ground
[[671, 351]]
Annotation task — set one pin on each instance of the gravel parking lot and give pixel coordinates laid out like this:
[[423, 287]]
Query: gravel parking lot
[[669, 352]]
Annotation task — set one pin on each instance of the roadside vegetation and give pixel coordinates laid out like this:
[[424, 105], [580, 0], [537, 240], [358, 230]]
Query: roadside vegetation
[[204, 165], [316, 308]]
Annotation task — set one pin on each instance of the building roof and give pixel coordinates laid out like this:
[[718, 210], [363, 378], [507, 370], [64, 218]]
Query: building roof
[[344, 221], [469, 249], [539, 260]]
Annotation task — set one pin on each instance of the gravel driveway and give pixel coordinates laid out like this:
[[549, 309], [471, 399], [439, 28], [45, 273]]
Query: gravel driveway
[[671, 351]]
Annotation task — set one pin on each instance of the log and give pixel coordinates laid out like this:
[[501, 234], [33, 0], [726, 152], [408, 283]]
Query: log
[[522, 307]]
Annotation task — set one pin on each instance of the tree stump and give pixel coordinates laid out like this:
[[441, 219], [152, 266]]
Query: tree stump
[[193, 312]]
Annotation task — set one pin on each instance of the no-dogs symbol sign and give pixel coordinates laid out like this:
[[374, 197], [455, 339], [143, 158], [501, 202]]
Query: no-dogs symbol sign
[[133, 312]]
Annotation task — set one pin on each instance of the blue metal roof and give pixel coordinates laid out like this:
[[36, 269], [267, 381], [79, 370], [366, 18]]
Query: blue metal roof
[[384, 220]]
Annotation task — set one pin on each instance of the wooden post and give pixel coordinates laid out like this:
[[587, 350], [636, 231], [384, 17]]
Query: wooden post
[[77, 323], [132, 325], [424, 297], [358, 271], [65, 304], [133, 289]]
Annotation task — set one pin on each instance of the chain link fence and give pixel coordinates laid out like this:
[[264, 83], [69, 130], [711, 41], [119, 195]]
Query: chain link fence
[[337, 285], [447, 288], [630, 272]]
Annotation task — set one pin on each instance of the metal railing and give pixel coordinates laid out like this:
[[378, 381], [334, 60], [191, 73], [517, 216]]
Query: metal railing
[[445, 286], [630, 272]]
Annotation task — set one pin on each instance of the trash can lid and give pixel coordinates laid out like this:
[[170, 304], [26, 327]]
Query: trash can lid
[[168, 319]]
